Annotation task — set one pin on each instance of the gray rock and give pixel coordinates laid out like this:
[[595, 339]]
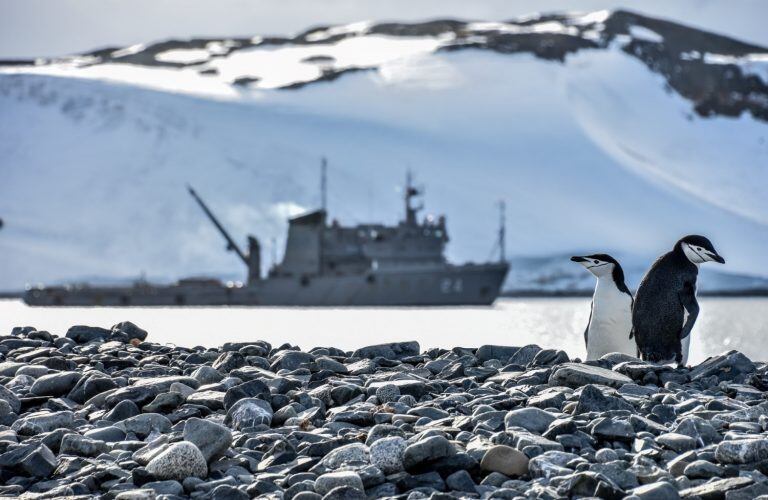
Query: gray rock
[[613, 429], [524, 355], [604, 455], [211, 399], [717, 488], [109, 434], [757, 490], [345, 493], [655, 491], [501, 352], [702, 469], [291, 360], [164, 402], [388, 454], [207, 375], [677, 442], [381, 431], [212, 439], [227, 492], [55, 384], [505, 460], [121, 411], [75, 444], [145, 454], [10, 398], [327, 482], [394, 350], [83, 334], [137, 494], [179, 461], [532, 419], [461, 481], [9, 369], [130, 330], [576, 375], [145, 424], [165, 487], [551, 464], [523, 439], [427, 450], [354, 453], [411, 387], [250, 389], [742, 451], [730, 365], [249, 412], [387, 393], [592, 399], [229, 361], [43, 421], [326, 363]]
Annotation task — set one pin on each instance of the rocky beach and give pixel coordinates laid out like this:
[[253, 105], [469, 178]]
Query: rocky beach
[[108, 413]]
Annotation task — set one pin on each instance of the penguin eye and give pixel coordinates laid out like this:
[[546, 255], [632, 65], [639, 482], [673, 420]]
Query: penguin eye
[[698, 248], [597, 261]]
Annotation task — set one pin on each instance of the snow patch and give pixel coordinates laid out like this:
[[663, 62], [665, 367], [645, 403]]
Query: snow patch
[[750, 64], [184, 56], [643, 33]]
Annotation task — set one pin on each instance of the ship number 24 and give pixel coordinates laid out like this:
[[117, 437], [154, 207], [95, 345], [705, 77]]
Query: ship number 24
[[451, 285]]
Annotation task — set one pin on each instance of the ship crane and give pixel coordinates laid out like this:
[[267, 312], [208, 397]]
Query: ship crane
[[253, 260]]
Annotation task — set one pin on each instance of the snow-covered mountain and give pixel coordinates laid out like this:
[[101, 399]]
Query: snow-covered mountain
[[556, 273], [608, 131]]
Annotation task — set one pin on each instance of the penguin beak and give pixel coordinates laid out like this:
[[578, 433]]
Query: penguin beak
[[714, 256], [578, 259]]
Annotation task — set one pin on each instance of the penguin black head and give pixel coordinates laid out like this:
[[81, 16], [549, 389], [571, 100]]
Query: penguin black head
[[602, 264], [699, 249]]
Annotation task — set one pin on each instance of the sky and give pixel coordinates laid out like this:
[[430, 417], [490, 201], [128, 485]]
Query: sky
[[36, 28]]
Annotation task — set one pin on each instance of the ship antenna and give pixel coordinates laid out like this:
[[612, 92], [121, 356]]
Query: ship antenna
[[273, 251], [502, 231], [410, 192], [323, 184]]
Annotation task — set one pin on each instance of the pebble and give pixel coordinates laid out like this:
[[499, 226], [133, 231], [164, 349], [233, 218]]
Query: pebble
[[327, 482], [178, 461], [505, 460], [388, 453]]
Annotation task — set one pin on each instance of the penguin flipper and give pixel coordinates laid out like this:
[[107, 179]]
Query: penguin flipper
[[586, 330], [688, 300]]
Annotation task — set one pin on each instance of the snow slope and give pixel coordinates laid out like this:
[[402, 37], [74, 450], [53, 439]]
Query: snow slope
[[594, 149]]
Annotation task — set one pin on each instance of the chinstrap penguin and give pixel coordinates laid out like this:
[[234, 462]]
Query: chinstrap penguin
[[665, 304], [610, 318]]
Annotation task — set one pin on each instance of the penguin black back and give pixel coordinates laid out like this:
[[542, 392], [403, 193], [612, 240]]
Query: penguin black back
[[658, 315]]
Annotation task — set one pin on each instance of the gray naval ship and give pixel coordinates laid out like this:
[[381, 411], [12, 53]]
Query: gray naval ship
[[323, 265]]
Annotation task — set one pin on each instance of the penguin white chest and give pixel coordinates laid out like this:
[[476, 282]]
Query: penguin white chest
[[611, 321]]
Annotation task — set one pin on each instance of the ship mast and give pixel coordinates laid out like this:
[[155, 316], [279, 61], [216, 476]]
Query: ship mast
[[410, 192], [323, 185], [323, 208], [502, 231]]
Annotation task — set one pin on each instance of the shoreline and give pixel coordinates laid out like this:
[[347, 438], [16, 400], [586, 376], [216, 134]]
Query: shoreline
[[108, 412], [508, 294]]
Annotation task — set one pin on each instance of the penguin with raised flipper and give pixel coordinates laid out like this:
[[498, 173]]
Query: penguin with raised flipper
[[665, 304], [610, 319]]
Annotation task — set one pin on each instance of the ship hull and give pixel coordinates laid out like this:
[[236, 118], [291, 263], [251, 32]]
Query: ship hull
[[470, 284]]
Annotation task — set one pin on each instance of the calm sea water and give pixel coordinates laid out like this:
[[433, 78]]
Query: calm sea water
[[724, 323]]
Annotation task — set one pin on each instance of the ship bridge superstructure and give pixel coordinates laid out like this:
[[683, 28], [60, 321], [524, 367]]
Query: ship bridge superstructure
[[315, 247]]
